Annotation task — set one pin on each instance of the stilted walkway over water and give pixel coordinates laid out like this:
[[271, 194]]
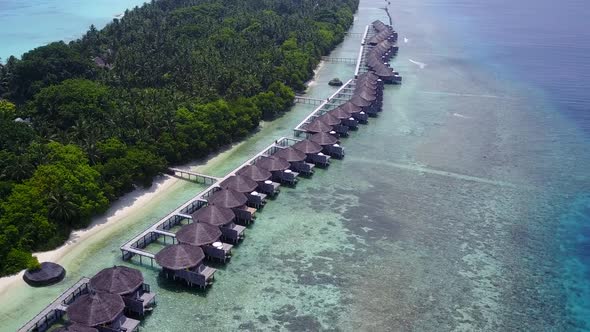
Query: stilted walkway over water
[[306, 100], [206, 179], [56, 309]]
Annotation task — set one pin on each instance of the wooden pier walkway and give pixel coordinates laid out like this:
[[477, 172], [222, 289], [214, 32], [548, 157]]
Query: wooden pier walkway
[[306, 100], [198, 177], [56, 309], [351, 61], [136, 246], [360, 62]]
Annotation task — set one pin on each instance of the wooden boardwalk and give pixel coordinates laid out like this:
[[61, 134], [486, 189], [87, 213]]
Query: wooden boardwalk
[[306, 100], [57, 308], [351, 61], [198, 177], [136, 246]]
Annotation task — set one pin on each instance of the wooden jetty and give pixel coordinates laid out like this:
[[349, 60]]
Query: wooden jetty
[[136, 246], [56, 309], [306, 100], [360, 63], [351, 61], [190, 175]]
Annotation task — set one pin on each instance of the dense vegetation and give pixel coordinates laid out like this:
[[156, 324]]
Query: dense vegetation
[[171, 81]]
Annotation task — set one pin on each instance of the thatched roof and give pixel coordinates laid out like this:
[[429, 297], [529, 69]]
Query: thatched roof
[[96, 308], [214, 215], [324, 139], [358, 101], [228, 198], [76, 328], [307, 146], [117, 280], [340, 113], [350, 107], [317, 126], [198, 234], [273, 164], [180, 256], [239, 183], [49, 273], [255, 173], [290, 154], [329, 119]]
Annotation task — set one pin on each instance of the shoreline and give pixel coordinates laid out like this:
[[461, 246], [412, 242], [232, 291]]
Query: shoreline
[[123, 208]]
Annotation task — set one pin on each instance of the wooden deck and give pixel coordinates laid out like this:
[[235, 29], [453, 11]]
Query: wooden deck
[[306, 100], [56, 308], [198, 177]]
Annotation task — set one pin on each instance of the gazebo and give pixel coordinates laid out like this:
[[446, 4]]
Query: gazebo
[[247, 186], [329, 143], [101, 309], [222, 218], [207, 237], [279, 168], [185, 262], [128, 283], [263, 177], [313, 151], [296, 158]]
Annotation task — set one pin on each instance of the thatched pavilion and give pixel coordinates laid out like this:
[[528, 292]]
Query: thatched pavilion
[[247, 186], [279, 168], [223, 218], [262, 177], [128, 283], [206, 236], [185, 262], [101, 310], [231, 199]]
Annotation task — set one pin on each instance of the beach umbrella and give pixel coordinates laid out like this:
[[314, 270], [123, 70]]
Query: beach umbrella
[[317, 126], [290, 154], [117, 280], [307, 146], [324, 139], [180, 256], [239, 183], [273, 164], [228, 198], [214, 215], [96, 308], [255, 173], [198, 234], [329, 119]]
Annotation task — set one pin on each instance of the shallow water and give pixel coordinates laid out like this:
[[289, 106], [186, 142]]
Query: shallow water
[[464, 207]]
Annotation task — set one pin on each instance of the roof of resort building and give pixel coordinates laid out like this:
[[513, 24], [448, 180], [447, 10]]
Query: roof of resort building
[[117, 280], [307, 146], [49, 273], [228, 198], [180, 256], [239, 183], [214, 215], [329, 119], [255, 173], [198, 234], [96, 308], [359, 101], [340, 113], [76, 328], [291, 154], [273, 164], [324, 139], [350, 107], [317, 126]]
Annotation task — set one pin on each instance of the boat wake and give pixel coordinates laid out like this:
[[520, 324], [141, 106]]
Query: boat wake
[[406, 40], [420, 64], [461, 116]]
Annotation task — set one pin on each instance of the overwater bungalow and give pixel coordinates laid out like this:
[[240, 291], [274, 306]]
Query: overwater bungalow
[[356, 112], [128, 283], [330, 144], [231, 199], [185, 262], [245, 185], [336, 124], [206, 236], [262, 177], [102, 311], [313, 152], [346, 118], [222, 218], [366, 105], [297, 160], [317, 126], [279, 168]]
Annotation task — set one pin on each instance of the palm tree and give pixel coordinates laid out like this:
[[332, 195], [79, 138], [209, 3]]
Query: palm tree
[[61, 207]]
